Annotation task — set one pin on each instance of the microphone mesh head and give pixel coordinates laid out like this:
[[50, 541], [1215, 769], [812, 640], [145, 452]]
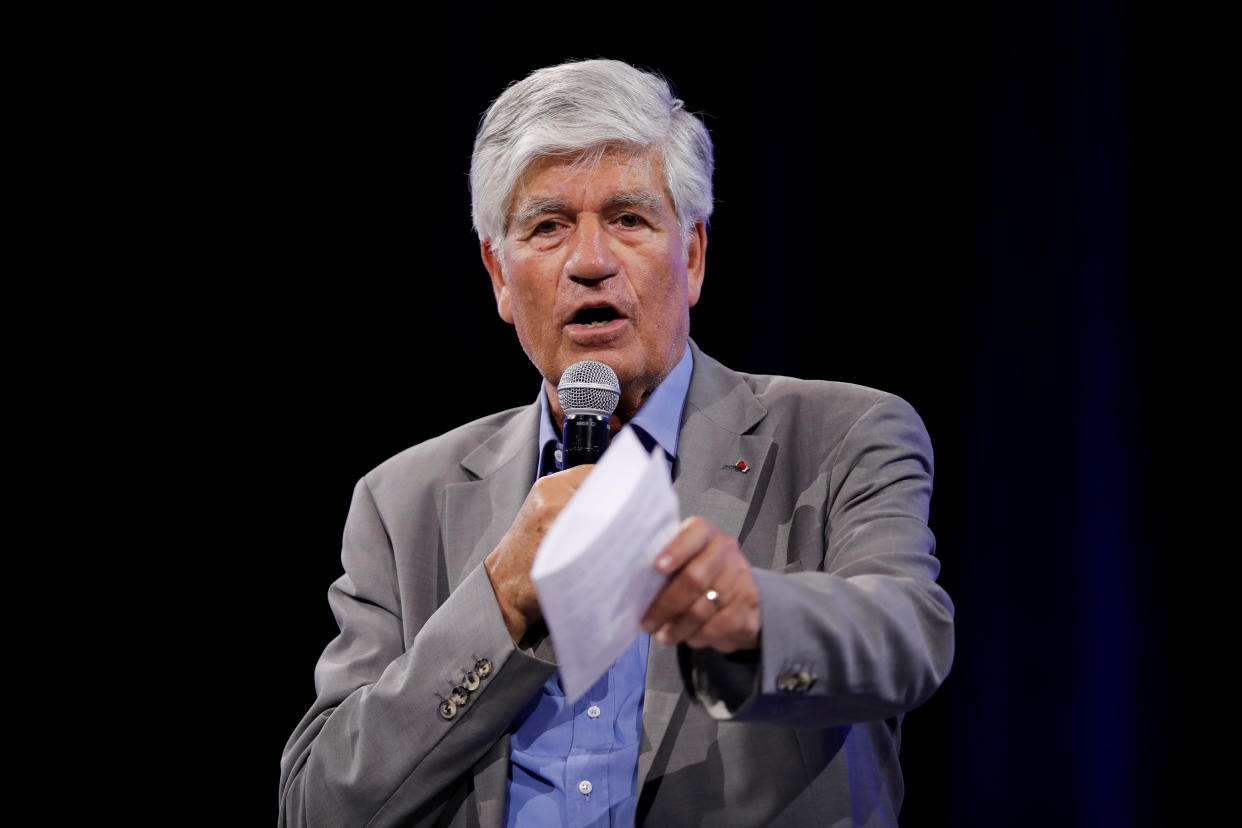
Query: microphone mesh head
[[589, 387]]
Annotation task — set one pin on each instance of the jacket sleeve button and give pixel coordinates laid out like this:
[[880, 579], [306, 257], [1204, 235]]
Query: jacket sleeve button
[[447, 709]]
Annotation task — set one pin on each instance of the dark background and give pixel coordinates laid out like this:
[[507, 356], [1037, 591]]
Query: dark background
[[954, 205]]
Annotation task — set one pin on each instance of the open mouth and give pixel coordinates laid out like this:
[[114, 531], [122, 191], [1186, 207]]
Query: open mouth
[[595, 317]]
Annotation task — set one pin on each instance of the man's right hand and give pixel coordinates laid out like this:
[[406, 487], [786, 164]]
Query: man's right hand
[[508, 566]]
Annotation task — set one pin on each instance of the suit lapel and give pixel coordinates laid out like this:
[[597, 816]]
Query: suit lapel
[[476, 514], [720, 409], [490, 775]]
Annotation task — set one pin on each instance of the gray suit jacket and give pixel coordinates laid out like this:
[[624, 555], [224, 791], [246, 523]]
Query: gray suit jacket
[[833, 516]]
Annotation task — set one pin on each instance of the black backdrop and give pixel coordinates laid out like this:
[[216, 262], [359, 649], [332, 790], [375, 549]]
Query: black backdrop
[[948, 205]]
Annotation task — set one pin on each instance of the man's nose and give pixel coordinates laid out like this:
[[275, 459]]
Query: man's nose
[[591, 258]]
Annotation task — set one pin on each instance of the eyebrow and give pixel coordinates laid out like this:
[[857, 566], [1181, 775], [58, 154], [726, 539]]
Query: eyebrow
[[635, 198], [530, 208]]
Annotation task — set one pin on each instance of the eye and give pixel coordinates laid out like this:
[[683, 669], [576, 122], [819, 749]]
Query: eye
[[545, 227], [630, 220]]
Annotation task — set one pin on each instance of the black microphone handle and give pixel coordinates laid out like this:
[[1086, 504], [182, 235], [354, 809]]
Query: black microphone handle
[[585, 439]]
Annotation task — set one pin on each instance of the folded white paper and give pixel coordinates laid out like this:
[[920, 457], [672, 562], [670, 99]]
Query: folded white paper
[[595, 570]]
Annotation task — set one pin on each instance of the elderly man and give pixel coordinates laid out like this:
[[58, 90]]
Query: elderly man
[[801, 618]]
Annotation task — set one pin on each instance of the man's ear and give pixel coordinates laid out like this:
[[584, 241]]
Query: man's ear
[[500, 285], [696, 262]]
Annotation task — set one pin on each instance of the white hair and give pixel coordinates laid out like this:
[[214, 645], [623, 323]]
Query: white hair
[[579, 110]]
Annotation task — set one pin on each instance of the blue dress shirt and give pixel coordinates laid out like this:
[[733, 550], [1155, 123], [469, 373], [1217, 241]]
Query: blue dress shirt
[[578, 764]]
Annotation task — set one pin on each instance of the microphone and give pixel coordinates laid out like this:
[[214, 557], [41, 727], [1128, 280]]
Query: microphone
[[589, 392]]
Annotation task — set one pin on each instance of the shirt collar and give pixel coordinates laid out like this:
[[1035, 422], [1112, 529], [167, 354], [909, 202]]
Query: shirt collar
[[660, 415]]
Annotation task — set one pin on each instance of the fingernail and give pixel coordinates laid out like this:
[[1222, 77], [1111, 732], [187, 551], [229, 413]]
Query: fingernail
[[665, 563], [665, 638]]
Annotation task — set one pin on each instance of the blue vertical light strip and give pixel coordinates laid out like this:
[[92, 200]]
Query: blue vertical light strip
[[1107, 663], [1048, 680]]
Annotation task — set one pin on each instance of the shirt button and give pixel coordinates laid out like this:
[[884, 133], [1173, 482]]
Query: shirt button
[[593, 711], [584, 787]]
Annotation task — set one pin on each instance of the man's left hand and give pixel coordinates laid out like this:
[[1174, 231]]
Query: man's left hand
[[702, 561]]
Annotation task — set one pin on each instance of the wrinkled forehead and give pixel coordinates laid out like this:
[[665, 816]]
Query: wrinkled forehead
[[637, 171]]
